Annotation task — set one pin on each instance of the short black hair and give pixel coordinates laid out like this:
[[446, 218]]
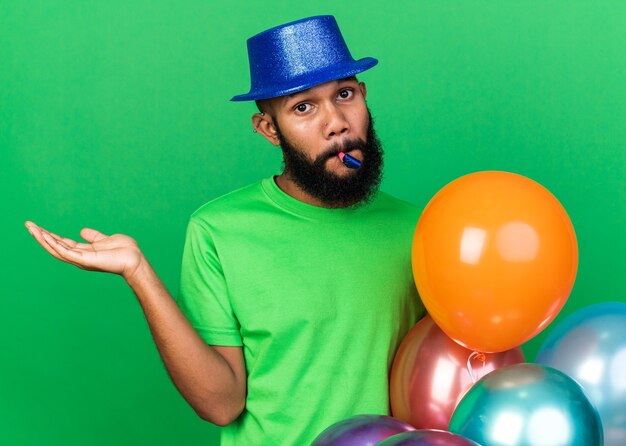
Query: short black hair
[[265, 107]]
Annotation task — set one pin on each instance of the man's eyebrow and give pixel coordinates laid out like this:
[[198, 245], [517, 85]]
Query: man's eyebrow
[[290, 96]]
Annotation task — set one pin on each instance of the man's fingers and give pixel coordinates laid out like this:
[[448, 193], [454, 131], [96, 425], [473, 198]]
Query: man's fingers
[[91, 235], [64, 252], [56, 247], [38, 234], [68, 241], [32, 226], [58, 240], [82, 255]]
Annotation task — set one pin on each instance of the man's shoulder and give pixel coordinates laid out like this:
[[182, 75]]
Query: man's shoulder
[[231, 204], [390, 203]]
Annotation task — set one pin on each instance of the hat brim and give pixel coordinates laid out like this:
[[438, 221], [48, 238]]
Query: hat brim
[[309, 80]]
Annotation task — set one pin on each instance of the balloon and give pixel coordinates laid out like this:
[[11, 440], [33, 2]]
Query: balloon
[[590, 346], [494, 259], [427, 437], [361, 430], [530, 405], [430, 375]]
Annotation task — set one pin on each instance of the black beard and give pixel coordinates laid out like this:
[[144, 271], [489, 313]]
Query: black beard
[[358, 187]]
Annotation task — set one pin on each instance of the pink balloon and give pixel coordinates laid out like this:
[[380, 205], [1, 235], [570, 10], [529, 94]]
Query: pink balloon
[[429, 375]]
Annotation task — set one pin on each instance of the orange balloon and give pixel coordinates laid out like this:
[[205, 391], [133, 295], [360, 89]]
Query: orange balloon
[[494, 259]]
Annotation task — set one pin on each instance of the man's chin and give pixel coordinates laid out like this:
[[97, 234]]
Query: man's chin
[[336, 168], [342, 175]]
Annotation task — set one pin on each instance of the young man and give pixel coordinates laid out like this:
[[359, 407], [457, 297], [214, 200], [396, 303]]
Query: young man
[[296, 290]]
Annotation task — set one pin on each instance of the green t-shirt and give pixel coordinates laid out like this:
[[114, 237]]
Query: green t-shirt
[[318, 298]]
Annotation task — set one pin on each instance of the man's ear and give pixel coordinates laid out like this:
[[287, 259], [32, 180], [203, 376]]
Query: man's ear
[[363, 89], [263, 123]]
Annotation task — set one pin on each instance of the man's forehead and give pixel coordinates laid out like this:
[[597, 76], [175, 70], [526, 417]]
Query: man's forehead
[[288, 97]]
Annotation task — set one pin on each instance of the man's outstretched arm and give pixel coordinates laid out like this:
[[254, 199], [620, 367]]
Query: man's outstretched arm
[[211, 378]]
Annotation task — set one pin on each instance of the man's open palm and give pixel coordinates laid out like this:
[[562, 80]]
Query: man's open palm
[[117, 253]]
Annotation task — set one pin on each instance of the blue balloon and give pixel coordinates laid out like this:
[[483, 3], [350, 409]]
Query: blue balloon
[[529, 405], [590, 346], [427, 437]]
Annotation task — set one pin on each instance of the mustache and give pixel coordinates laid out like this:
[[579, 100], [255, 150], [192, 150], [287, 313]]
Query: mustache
[[336, 148]]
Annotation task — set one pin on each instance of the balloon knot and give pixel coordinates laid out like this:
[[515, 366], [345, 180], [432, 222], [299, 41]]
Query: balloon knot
[[480, 356], [475, 355]]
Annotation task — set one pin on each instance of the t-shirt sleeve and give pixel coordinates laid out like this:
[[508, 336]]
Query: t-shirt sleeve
[[203, 295]]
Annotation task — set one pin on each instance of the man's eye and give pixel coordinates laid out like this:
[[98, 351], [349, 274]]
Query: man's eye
[[302, 107], [345, 94]]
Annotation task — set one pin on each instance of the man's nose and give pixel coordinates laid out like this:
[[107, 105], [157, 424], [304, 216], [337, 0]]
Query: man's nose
[[335, 122]]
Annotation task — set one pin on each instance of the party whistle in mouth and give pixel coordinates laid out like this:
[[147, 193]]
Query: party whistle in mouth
[[348, 161]]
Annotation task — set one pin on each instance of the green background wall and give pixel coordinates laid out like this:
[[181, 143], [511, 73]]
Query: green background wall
[[115, 115]]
